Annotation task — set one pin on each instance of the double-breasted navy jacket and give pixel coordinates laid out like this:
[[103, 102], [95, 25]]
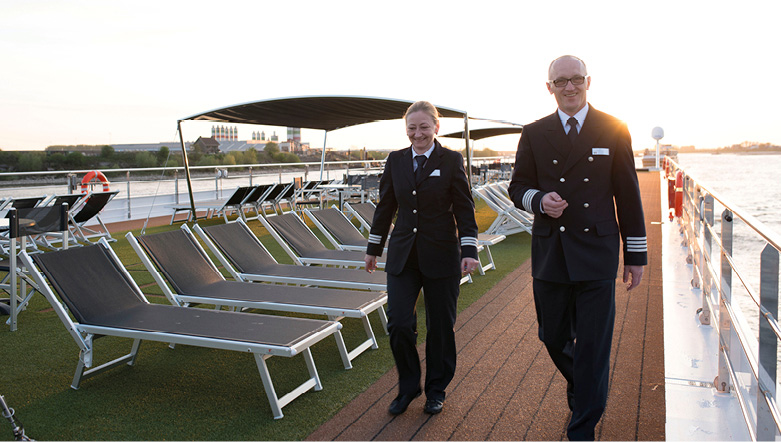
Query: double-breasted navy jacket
[[436, 214], [598, 180]]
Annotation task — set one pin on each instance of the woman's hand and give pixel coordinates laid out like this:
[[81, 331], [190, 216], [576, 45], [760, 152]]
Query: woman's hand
[[468, 265], [371, 263]]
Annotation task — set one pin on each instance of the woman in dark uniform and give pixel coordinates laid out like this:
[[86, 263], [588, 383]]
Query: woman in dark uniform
[[434, 243]]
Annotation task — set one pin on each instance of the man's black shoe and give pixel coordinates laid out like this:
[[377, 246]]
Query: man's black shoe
[[402, 401], [433, 406]]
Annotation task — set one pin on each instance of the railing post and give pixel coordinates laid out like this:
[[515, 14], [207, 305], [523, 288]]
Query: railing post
[[700, 265], [127, 176], [176, 186], [217, 175], [723, 381], [707, 244], [768, 342], [250, 175]]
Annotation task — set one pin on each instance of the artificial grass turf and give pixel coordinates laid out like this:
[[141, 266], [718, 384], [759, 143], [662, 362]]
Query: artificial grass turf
[[191, 393]]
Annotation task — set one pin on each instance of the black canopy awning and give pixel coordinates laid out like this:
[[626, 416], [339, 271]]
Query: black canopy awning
[[326, 113], [479, 134], [316, 112]]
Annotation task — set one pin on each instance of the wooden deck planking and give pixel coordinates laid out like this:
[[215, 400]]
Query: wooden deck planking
[[506, 387]]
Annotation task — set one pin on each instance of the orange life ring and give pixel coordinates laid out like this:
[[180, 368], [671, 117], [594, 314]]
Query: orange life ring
[[91, 176], [679, 194]]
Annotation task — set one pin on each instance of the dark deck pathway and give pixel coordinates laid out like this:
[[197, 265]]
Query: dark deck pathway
[[506, 387]]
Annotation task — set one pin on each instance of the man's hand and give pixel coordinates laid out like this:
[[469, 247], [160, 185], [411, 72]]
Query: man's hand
[[553, 205], [468, 265], [371, 263], [633, 275]]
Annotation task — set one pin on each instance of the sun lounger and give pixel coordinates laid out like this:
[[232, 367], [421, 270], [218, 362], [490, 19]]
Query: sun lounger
[[254, 198], [26, 203], [88, 213], [194, 279], [509, 219], [23, 223], [223, 207], [272, 197], [105, 301], [303, 246], [364, 213], [19, 203], [338, 229], [307, 194], [50, 239], [247, 259]]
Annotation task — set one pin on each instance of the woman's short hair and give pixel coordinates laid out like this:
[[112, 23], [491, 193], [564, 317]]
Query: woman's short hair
[[423, 106]]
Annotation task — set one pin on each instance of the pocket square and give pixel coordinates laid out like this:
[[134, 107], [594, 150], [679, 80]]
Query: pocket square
[[435, 172]]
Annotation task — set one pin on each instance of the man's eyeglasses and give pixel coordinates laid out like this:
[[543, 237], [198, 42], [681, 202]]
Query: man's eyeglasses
[[576, 81]]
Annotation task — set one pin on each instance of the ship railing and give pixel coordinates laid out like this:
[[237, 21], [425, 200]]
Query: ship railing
[[151, 191], [736, 299], [138, 199]]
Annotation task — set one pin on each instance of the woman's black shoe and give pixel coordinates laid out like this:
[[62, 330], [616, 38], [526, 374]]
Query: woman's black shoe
[[402, 401]]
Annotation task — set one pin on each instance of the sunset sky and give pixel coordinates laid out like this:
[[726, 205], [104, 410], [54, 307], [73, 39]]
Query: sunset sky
[[102, 72]]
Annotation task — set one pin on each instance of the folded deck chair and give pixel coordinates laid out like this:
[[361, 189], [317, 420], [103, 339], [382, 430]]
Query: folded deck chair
[[105, 301], [88, 212], [509, 219], [247, 259], [303, 246], [223, 206], [338, 229], [22, 223], [194, 279]]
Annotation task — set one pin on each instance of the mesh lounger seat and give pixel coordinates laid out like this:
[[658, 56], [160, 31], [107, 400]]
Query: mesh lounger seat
[[303, 246], [195, 279], [104, 300], [338, 229], [364, 212], [247, 259], [49, 239]]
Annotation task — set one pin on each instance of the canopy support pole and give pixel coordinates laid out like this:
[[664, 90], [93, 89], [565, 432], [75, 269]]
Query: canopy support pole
[[322, 159], [468, 151], [186, 168]]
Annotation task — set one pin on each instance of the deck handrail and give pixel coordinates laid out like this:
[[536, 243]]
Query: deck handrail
[[757, 394]]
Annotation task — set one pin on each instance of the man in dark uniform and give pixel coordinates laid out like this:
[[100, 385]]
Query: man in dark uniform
[[575, 171]]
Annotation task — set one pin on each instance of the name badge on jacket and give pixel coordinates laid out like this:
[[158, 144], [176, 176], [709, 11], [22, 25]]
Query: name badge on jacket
[[600, 151], [435, 172]]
